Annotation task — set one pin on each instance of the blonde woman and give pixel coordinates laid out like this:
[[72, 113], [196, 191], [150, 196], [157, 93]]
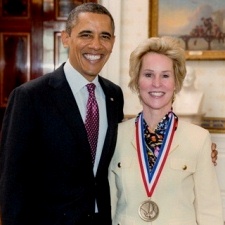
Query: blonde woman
[[161, 172]]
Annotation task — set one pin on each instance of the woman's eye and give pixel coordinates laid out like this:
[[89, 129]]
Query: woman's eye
[[148, 74]]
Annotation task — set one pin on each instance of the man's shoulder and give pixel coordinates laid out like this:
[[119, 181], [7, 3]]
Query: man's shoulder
[[107, 82], [53, 78]]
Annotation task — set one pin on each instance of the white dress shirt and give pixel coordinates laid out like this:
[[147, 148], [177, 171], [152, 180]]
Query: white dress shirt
[[78, 86]]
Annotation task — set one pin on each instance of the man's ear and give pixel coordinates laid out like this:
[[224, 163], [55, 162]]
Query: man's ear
[[65, 39]]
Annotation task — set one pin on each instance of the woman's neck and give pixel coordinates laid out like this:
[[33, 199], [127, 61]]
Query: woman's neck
[[153, 117]]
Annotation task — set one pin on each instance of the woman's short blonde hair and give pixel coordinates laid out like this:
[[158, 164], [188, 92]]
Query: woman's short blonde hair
[[168, 46]]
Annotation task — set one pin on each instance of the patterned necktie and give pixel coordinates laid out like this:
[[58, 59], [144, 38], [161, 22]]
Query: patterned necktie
[[92, 120]]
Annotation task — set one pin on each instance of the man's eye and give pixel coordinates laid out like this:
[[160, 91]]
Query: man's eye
[[85, 35], [106, 37]]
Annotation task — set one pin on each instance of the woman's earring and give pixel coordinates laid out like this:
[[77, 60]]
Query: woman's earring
[[174, 97]]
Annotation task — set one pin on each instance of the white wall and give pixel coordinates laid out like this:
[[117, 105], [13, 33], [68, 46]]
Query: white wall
[[131, 18], [131, 28], [211, 80]]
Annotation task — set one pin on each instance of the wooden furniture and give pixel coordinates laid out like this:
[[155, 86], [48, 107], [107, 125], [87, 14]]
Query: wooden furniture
[[30, 44]]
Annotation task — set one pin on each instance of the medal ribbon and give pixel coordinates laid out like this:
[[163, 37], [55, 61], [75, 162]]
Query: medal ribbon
[[150, 178]]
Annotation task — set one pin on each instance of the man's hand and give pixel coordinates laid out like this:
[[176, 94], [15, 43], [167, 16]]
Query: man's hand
[[214, 154]]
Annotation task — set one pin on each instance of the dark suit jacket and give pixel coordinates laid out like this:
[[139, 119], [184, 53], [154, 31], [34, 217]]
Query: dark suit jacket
[[46, 169]]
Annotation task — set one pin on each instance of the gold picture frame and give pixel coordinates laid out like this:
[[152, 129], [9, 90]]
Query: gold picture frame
[[214, 124], [205, 36]]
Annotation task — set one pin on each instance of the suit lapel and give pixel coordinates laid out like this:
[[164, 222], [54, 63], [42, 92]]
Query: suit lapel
[[112, 121], [63, 99]]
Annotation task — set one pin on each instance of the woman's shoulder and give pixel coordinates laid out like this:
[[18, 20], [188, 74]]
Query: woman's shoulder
[[126, 128], [192, 129], [127, 123]]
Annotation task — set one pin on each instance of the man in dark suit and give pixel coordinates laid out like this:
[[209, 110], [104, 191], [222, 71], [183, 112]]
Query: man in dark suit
[[46, 171]]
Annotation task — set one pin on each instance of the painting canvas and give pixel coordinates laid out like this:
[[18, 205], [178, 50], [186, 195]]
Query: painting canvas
[[200, 24]]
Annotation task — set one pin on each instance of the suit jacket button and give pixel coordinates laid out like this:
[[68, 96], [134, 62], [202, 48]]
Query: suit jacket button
[[184, 167]]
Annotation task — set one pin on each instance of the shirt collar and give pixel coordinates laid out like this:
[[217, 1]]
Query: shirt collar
[[75, 79]]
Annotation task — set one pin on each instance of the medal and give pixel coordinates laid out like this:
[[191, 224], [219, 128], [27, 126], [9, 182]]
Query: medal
[[148, 211]]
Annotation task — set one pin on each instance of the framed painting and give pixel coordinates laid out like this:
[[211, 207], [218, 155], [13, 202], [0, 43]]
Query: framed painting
[[214, 125], [200, 25]]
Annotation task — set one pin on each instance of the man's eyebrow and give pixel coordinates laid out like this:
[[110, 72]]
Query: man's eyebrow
[[85, 31], [90, 32], [107, 33]]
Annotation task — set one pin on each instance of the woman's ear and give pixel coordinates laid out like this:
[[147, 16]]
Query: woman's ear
[[65, 39]]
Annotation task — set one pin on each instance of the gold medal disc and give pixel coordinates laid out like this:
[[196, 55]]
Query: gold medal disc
[[148, 211]]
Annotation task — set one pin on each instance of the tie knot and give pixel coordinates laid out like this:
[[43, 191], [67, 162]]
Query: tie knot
[[91, 88]]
